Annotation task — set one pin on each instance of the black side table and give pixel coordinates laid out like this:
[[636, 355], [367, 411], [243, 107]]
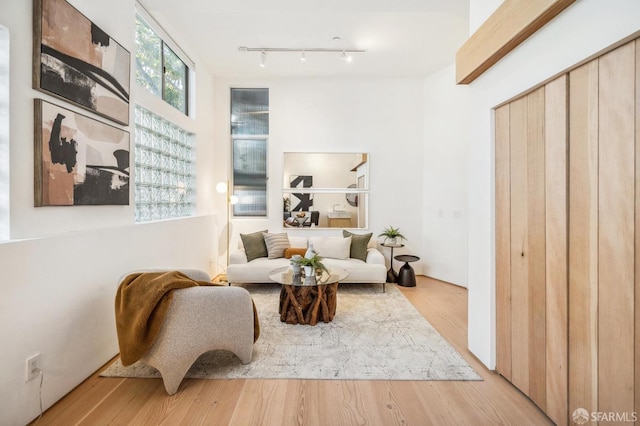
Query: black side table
[[392, 276], [406, 276]]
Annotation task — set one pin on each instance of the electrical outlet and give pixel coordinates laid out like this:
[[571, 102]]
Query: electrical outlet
[[33, 367]]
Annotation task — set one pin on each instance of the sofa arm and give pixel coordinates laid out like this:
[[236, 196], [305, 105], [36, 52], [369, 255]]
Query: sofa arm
[[374, 257], [238, 257]]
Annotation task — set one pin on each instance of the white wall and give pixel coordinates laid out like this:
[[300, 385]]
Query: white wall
[[479, 11], [4, 133], [582, 30], [57, 300], [58, 285], [380, 116], [446, 142]]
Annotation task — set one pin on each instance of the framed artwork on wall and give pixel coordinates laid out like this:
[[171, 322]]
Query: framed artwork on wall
[[301, 201], [75, 60], [78, 160]]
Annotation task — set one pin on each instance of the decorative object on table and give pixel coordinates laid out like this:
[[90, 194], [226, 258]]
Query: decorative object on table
[[286, 203], [312, 265], [78, 160], [406, 275], [301, 218], [310, 251], [392, 276], [301, 201], [295, 264], [75, 60], [391, 235]]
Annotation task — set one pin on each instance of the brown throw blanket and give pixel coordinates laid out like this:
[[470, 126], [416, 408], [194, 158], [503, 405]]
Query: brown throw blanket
[[141, 304]]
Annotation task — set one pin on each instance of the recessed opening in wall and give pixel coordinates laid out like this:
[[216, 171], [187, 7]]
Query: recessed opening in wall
[[325, 190], [4, 133]]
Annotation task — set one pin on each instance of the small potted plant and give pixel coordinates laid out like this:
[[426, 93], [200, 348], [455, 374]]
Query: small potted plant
[[311, 265], [391, 235]]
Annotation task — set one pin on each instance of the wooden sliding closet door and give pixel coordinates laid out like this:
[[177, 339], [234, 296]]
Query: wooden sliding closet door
[[602, 246], [583, 237], [531, 245], [557, 286], [568, 240]]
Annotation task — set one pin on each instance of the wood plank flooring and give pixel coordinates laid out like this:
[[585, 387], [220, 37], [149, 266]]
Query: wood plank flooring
[[494, 401]]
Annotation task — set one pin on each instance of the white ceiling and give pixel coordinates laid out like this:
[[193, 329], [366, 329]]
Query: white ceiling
[[403, 38]]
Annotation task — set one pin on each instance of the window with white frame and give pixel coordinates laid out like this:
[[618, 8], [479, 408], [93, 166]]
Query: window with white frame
[[165, 168], [4, 133], [159, 68], [249, 136], [164, 152]]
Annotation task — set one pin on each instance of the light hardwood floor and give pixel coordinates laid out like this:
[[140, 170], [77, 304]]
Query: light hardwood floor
[[493, 401]]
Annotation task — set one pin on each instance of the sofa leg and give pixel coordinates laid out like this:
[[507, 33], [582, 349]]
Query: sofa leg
[[384, 287]]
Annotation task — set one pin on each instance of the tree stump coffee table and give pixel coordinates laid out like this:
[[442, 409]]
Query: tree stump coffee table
[[307, 300]]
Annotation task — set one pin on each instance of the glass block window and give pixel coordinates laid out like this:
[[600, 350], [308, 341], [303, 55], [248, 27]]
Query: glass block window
[[164, 169]]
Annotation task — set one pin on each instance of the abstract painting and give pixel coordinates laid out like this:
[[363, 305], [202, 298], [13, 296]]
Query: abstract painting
[[78, 160], [75, 60], [301, 201]]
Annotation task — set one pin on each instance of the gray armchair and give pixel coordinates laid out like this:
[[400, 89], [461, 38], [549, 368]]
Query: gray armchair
[[201, 319]]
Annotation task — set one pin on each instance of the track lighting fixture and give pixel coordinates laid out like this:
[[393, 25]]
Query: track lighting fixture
[[344, 53]]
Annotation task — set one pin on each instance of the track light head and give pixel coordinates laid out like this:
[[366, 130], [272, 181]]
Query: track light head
[[347, 58], [303, 56], [263, 58]]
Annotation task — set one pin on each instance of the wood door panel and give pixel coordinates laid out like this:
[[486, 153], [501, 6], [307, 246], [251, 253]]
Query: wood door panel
[[503, 235], [536, 258], [637, 236], [583, 237], [556, 293], [520, 314], [616, 215], [568, 239]]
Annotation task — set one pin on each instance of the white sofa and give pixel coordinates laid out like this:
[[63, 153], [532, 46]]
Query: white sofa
[[373, 270]]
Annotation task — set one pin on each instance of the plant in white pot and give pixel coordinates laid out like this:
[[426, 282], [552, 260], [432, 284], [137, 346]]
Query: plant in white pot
[[312, 265], [392, 235]]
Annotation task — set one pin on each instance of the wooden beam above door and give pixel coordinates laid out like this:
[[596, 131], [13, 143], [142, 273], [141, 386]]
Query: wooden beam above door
[[511, 24]]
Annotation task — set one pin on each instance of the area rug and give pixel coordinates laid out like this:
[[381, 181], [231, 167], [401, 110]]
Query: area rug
[[374, 336]]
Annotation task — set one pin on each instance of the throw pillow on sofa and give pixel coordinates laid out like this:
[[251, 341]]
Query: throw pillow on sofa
[[276, 244], [254, 245], [359, 244], [332, 247], [291, 251]]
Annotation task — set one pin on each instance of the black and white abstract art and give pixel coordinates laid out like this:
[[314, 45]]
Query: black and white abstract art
[[78, 160], [301, 201], [75, 60]]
